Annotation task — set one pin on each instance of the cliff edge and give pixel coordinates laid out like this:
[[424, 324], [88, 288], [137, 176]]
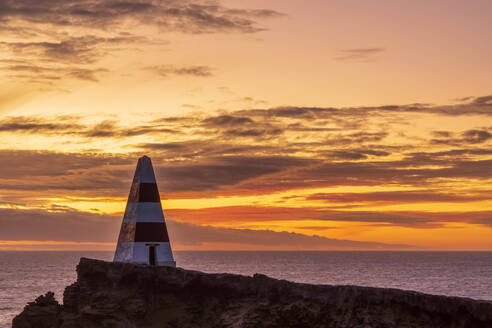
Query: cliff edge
[[125, 295]]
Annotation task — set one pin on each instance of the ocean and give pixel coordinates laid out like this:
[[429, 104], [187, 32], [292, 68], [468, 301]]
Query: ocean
[[26, 275]]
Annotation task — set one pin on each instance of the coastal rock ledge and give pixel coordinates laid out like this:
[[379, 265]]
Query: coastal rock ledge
[[125, 295]]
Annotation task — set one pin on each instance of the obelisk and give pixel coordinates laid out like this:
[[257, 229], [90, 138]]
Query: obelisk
[[143, 236]]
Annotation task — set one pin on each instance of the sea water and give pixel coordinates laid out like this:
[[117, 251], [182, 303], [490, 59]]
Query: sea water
[[26, 275]]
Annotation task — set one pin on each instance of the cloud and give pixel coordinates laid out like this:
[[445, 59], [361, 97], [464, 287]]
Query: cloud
[[237, 126], [103, 129], [485, 220], [76, 50], [168, 15], [358, 138], [359, 54], [46, 73], [167, 70], [91, 174], [35, 125], [202, 149], [227, 120], [404, 172], [67, 125], [255, 151], [476, 136], [242, 215], [468, 137], [217, 172], [181, 147], [262, 132], [414, 196], [57, 224], [64, 224], [447, 155], [190, 234], [35, 32], [377, 218], [478, 106], [464, 99], [191, 106], [348, 127], [265, 150], [26, 173], [355, 154], [484, 101]]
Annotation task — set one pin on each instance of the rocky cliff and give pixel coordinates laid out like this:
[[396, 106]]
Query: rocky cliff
[[126, 295]]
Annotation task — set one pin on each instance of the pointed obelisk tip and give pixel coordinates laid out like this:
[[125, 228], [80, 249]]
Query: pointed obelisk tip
[[144, 171]]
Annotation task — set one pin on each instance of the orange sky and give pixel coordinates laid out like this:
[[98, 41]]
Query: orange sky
[[272, 124]]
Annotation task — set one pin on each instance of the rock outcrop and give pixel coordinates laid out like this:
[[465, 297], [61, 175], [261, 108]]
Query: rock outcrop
[[126, 295]]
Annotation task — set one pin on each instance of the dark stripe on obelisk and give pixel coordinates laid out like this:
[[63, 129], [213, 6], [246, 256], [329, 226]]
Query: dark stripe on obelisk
[[144, 192], [151, 232], [143, 232]]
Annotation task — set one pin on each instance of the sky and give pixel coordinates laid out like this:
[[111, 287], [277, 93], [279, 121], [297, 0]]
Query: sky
[[272, 125]]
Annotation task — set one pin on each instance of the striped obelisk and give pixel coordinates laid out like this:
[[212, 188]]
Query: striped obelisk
[[143, 236]]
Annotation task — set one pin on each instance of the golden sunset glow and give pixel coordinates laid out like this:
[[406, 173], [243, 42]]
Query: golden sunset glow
[[271, 124]]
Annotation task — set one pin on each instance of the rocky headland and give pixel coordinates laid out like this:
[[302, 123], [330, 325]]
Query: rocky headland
[[125, 295]]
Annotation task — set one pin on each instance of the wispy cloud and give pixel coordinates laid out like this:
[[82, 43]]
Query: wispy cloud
[[167, 70], [474, 136], [186, 16], [34, 33], [46, 74], [359, 54], [75, 50]]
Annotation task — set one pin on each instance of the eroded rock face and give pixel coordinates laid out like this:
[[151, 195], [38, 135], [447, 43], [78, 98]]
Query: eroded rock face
[[43, 312], [125, 295]]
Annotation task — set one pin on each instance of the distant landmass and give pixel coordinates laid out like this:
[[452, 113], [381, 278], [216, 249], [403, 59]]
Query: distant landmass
[[126, 295]]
